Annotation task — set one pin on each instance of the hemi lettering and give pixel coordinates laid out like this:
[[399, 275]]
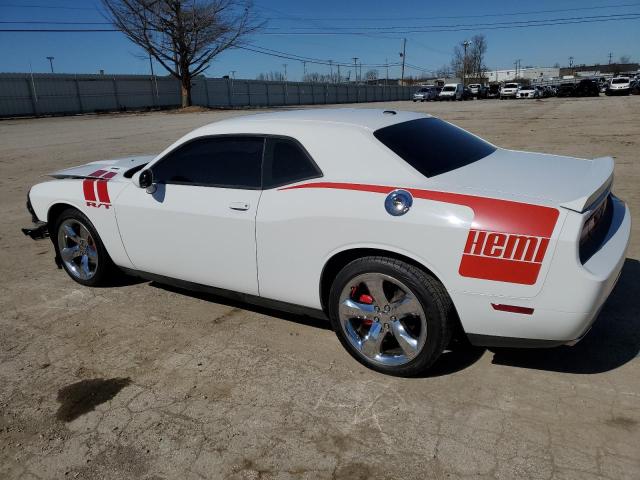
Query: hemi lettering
[[475, 242], [494, 245], [522, 248]]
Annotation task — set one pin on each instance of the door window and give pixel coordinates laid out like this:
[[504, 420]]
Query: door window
[[227, 162]]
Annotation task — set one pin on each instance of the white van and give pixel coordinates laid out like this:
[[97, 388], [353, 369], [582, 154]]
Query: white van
[[451, 91]]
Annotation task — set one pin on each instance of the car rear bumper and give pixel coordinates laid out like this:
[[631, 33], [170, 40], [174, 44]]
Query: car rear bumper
[[570, 300]]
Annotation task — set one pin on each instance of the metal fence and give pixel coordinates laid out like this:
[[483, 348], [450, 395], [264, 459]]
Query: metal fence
[[24, 94]]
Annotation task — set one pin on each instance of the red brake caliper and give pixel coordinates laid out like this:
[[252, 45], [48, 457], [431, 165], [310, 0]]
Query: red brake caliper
[[368, 299]]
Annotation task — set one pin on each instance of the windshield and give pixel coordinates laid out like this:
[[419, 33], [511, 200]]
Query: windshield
[[449, 89], [433, 146], [620, 80], [511, 85], [527, 87]]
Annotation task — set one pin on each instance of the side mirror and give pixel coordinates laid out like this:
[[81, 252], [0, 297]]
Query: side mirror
[[145, 180]]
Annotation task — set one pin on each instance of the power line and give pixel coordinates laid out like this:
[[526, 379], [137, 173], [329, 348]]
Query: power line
[[549, 22], [52, 7], [456, 25], [502, 14]]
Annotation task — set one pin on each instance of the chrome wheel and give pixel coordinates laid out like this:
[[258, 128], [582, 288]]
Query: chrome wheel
[[77, 249], [382, 319]]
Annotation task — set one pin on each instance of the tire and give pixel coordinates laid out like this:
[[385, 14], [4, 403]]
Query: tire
[[80, 250], [369, 329]]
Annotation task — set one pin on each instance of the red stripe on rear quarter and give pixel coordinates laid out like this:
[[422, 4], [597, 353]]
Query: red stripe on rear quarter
[[89, 190], [490, 214]]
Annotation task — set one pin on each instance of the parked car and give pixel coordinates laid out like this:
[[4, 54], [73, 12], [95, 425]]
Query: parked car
[[451, 91], [493, 91], [526, 91], [634, 87], [566, 89], [474, 88], [509, 90], [483, 92], [467, 94], [399, 227], [619, 86], [425, 94], [587, 88]]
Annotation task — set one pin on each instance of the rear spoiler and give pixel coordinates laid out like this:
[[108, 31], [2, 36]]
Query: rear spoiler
[[597, 184]]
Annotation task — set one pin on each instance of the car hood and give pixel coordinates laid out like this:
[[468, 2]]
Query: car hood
[[118, 165], [550, 180]]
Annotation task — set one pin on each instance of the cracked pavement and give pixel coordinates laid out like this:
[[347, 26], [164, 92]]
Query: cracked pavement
[[146, 381]]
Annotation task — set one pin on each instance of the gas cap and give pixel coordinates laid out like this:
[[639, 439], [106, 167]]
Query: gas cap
[[398, 202]]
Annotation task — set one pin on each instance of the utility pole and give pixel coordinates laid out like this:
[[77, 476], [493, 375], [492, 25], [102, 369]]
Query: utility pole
[[355, 68], [465, 44], [386, 61], [304, 69], [339, 77], [51, 62], [331, 70], [403, 56], [610, 55], [285, 71]]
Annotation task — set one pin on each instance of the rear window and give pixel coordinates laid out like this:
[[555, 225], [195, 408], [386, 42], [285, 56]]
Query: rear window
[[432, 146], [449, 89], [619, 80], [511, 85]]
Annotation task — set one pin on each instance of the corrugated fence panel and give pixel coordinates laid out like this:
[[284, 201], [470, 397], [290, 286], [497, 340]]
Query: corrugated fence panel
[[51, 94]]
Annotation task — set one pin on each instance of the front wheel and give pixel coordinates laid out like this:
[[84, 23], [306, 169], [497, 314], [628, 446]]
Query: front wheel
[[80, 249], [391, 316]]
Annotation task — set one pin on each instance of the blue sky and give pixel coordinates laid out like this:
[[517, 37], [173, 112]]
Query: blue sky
[[539, 46]]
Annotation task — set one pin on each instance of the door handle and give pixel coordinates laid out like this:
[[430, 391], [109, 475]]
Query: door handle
[[241, 206]]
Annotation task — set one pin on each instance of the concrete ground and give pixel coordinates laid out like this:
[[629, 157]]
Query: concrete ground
[[145, 381]]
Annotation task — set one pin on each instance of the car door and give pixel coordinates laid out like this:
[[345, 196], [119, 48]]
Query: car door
[[199, 223]]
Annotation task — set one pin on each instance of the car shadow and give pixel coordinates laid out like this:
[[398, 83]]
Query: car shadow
[[613, 341], [318, 321]]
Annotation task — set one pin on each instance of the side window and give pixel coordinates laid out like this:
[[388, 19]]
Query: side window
[[228, 162], [285, 161]]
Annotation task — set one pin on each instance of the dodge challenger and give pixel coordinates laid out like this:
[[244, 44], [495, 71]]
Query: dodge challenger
[[401, 228]]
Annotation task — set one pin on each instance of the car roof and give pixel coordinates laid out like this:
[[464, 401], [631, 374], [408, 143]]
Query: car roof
[[366, 118]]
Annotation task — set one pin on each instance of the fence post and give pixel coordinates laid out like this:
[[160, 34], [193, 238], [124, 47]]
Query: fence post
[[206, 91], [266, 84], [248, 92], [115, 92], [75, 80], [300, 94], [32, 95], [230, 90]]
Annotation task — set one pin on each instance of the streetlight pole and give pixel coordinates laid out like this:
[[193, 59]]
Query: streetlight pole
[[51, 62], [355, 69], [403, 55], [465, 44], [331, 70]]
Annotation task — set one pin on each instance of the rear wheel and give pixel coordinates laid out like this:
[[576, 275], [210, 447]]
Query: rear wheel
[[390, 316], [80, 249]]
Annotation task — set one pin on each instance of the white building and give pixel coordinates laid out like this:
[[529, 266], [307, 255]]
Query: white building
[[529, 73]]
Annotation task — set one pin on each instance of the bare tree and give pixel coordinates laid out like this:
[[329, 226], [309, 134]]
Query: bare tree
[[371, 75], [473, 63], [183, 35], [271, 76]]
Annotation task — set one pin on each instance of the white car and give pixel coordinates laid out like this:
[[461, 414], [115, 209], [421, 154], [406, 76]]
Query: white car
[[451, 91], [619, 86], [527, 91], [474, 88], [425, 94], [402, 228], [509, 90]]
